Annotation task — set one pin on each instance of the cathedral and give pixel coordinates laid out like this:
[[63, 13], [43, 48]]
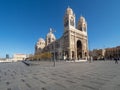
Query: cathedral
[[73, 44]]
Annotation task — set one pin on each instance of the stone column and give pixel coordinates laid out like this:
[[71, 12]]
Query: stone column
[[76, 54], [82, 53], [75, 47], [70, 54]]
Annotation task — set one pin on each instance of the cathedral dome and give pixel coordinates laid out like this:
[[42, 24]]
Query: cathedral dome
[[69, 11], [40, 43], [50, 34], [41, 40], [82, 19]]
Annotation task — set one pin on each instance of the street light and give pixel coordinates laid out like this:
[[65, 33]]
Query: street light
[[54, 48], [54, 54]]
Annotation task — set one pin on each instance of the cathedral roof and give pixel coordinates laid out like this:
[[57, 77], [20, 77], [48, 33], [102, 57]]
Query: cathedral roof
[[69, 11], [41, 40], [82, 19], [50, 34]]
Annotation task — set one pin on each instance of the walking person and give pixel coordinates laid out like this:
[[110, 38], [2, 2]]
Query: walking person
[[116, 60]]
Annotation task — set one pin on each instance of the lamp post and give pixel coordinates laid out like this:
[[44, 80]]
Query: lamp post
[[54, 54], [54, 49]]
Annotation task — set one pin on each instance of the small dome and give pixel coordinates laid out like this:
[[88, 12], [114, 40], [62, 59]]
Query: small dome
[[41, 40], [82, 19], [69, 11], [50, 34]]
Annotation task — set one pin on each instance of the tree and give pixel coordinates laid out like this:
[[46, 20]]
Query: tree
[[41, 56]]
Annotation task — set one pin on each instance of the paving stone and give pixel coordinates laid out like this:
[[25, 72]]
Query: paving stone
[[65, 76], [88, 87]]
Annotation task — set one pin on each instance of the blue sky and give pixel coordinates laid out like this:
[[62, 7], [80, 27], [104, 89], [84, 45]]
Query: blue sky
[[23, 22]]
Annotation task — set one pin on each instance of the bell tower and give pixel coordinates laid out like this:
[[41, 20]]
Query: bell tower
[[82, 24], [69, 19]]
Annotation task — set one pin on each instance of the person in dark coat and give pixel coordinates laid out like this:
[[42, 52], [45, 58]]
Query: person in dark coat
[[116, 60]]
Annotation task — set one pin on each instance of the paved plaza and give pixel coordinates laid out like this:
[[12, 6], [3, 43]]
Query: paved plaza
[[98, 75]]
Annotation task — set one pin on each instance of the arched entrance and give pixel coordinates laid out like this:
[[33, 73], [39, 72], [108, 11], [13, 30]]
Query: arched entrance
[[79, 49]]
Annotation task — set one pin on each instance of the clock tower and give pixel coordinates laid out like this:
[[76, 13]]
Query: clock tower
[[75, 40], [69, 19]]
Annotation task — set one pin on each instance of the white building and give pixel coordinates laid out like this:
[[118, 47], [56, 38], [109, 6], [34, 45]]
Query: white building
[[19, 57], [73, 44]]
